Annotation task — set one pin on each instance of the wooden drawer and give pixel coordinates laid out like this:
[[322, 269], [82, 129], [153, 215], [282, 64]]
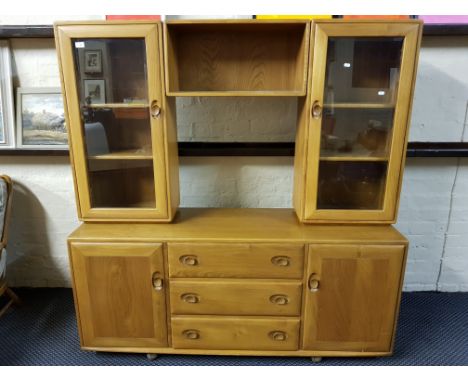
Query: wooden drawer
[[236, 297], [236, 260], [235, 333]]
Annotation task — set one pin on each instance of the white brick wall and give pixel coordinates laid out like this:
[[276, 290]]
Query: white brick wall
[[237, 119], [434, 200], [43, 214], [441, 94]]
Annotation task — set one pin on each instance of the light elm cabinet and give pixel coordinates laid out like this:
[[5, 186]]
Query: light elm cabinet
[[151, 278]]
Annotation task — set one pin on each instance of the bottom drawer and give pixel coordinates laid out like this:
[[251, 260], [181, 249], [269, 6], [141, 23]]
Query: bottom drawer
[[235, 333]]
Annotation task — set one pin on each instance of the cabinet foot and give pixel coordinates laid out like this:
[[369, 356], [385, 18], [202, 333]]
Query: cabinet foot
[[151, 356], [316, 359]]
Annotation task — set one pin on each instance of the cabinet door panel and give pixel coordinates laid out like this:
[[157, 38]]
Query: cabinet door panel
[[352, 296], [111, 77], [360, 98], [120, 293]]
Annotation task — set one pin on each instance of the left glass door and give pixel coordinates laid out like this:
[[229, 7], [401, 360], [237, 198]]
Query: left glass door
[[114, 102]]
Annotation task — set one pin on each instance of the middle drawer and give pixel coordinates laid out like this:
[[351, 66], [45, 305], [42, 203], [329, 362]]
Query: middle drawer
[[236, 297]]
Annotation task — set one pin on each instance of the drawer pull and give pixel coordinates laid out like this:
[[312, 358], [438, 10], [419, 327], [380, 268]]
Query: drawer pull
[[157, 281], [281, 261], [191, 334], [190, 298], [279, 299], [314, 283], [189, 260], [278, 335]]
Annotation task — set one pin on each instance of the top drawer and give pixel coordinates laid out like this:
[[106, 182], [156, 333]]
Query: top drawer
[[236, 260]]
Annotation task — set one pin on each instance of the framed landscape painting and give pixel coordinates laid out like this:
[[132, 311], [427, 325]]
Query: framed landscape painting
[[40, 119], [6, 99]]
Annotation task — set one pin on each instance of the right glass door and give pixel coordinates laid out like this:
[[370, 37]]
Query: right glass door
[[362, 80]]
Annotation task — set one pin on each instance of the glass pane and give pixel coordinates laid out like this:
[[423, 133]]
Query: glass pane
[[113, 92], [356, 133], [351, 185], [121, 183], [361, 84], [111, 70], [362, 70]]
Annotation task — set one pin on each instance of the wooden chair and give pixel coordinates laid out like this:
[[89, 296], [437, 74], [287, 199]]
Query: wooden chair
[[6, 189]]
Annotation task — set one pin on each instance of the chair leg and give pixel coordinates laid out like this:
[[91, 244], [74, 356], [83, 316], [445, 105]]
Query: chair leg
[[14, 299], [5, 308], [13, 296]]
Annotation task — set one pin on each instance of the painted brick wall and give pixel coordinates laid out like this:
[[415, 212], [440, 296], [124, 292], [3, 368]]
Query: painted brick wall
[[434, 200]]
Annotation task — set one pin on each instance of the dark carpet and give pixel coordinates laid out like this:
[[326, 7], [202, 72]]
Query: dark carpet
[[432, 330]]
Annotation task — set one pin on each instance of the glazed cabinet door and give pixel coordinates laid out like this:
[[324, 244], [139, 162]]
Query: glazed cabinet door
[[111, 75], [120, 294], [360, 97], [351, 297]]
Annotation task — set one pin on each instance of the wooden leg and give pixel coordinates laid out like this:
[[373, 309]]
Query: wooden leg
[[151, 356], [14, 299], [316, 359], [13, 296], [4, 309]]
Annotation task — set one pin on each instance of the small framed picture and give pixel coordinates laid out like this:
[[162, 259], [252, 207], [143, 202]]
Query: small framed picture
[[40, 119], [93, 61], [7, 123], [95, 91]]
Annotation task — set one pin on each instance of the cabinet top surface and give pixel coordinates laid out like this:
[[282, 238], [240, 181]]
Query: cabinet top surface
[[240, 21], [229, 224]]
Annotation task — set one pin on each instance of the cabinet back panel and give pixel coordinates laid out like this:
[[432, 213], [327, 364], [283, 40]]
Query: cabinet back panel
[[129, 186]]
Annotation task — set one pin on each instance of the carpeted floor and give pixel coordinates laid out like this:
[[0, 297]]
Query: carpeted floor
[[432, 330]]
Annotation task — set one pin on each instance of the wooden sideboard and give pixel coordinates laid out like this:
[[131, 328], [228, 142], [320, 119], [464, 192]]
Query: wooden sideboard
[[237, 281]]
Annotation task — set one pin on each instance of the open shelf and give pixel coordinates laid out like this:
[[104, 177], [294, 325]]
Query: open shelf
[[236, 59]]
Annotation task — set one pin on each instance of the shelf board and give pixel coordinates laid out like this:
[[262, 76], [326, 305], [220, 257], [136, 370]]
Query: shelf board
[[136, 205], [344, 105], [237, 93], [124, 155], [353, 159], [118, 105]]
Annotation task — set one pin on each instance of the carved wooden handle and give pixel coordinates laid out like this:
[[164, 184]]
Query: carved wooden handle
[[191, 334], [157, 281], [190, 298], [278, 335], [281, 261], [190, 260], [314, 282], [155, 109], [316, 110], [279, 299]]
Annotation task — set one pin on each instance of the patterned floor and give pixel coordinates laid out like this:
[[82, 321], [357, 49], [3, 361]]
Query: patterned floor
[[432, 330]]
